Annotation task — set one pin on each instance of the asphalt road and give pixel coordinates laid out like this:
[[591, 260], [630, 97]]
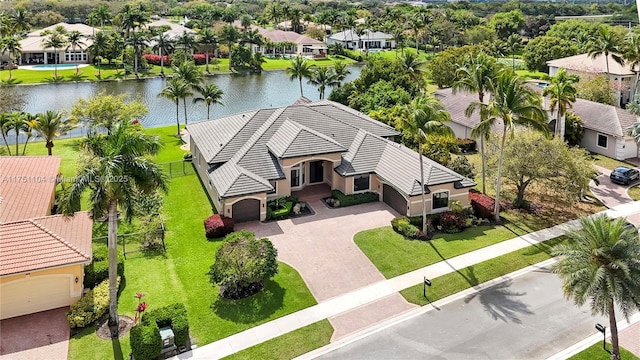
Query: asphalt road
[[527, 318]]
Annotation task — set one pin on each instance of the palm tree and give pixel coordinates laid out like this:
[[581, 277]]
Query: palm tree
[[341, 70], [118, 167], [299, 69], [209, 40], [563, 95], [136, 40], [634, 132], [55, 40], [175, 90], [323, 77], [187, 41], [74, 40], [424, 116], [606, 42], [513, 44], [10, 45], [49, 125], [631, 54], [253, 37], [191, 75], [5, 123], [19, 122], [416, 25], [210, 95], [245, 22], [513, 104], [475, 76], [601, 265], [103, 15], [163, 45], [230, 34], [100, 43], [20, 21], [413, 66]]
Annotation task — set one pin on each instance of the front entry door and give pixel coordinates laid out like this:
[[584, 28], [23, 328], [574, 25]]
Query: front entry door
[[316, 172]]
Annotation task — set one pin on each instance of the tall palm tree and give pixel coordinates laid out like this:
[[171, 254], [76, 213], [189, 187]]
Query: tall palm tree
[[230, 35], [210, 94], [245, 22], [175, 90], [19, 122], [416, 24], [103, 14], [253, 37], [513, 45], [20, 21], [97, 48], [190, 74], [413, 66], [50, 125], [10, 45], [563, 95], [163, 45], [5, 126], [136, 40], [74, 40], [341, 70], [118, 168], [634, 132], [606, 42], [55, 40], [424, 116], [631, 54], [513, 104], [299, 68], [601, 265], [323, 77], [209, 41], [187, 41], [475, 75]]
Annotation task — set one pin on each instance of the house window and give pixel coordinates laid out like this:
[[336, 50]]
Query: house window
[[361, 183], [75, 56], [440, 200], [273, 183], [603, 141]]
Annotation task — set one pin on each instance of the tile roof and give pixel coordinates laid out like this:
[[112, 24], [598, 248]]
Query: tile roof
[[351, 35], [585, 63], [277, 35], [233, 180], [84, 29], [40, 243], [27, 185], [33, 41], [456, 104], [294, 140]]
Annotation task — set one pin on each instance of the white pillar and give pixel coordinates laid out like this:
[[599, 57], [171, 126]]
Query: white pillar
[[45, 58]]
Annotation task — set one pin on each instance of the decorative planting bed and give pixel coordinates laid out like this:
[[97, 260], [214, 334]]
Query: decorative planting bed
[[338, 199], [287, 208]]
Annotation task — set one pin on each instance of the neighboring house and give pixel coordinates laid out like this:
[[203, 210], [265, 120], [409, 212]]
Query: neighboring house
[[287, 43], [34, 52], [605, 125], [246, 159], [304, 25], [173, 32], [42, 256], [370, 40], [622, 76]]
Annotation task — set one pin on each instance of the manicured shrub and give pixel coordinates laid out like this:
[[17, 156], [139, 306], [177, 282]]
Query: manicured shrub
[[242, 265], [175, 316], [354, 199], [453, 222], [98, 270], [280, 207], [216, 226], [482, 204], [146, 342], [466, 145], [154, 59], [91, 306], [403, 226], [201, 59]]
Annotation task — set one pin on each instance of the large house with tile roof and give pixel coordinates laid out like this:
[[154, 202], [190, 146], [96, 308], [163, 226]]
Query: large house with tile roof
[[246, 159], [366, 41], [33, 51], [292, 43], [42, 256]]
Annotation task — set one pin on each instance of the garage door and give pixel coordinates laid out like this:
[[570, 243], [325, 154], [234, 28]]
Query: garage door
[[246, 210], [34, 294], [394, 199]]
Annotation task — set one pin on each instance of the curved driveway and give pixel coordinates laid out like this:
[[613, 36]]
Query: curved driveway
[[611, 194]]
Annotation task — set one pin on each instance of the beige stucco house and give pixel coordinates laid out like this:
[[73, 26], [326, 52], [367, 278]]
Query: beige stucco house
[[42, 256], [34, 52], [246, 159]]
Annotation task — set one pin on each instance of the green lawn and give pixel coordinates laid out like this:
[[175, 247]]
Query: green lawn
[[393, 254], [528, 74], [595, 352], [290, 345], [609, 163], [473, 275], [634, 192]]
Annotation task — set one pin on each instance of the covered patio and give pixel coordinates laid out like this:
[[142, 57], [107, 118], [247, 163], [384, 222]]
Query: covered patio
[[313, 192]]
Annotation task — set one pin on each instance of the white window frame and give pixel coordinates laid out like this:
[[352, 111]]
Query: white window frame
[[353, 179], [598, 140], [301, 175], [444, 208]]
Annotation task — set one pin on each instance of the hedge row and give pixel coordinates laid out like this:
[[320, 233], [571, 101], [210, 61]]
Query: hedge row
[[98, 270], [354, 199], [146, 343], [482, 204], [91, 306]]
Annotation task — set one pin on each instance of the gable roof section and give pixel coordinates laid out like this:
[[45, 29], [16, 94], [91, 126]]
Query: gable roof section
[[603, 118], [213, 136], [597, 65], [294, 140], [456, 104], [27, 184], [41, 243], [233, 180]]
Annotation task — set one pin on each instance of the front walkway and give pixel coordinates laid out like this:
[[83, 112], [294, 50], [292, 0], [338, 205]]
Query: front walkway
[[381, 289]]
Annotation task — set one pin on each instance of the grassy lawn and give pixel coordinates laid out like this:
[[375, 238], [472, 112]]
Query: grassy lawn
[[634, 192], [290, 345], [393, 254], [595, 352], [609, 163], [528, 74], [473, 275]]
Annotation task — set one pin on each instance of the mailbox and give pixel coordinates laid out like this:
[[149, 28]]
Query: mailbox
[[168, 339]]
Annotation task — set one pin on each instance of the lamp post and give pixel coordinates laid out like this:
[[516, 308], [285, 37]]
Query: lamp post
[[425, 283], [603, 330]]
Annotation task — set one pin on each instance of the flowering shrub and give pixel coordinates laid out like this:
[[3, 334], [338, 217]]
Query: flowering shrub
[[154, 59], [482, 205], [216, 226], [201, 59]]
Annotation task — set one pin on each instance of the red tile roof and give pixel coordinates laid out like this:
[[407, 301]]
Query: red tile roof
[[27, 184], [40, 243]]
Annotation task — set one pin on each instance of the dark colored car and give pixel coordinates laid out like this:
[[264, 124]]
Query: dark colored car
[[624, 175]]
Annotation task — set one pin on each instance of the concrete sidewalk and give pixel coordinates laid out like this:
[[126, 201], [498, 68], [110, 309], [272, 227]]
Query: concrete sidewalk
[[382, 289]]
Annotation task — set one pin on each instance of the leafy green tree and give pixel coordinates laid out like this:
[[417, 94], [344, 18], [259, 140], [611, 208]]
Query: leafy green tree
[[175, 90], [242, 264], [187, 42], [606, 42], [462, 166], [210, 94], [298, 69], [545, 48], [137, 40], [574, 129], [379, 96], [106, 111], [514, 104], [103, 15], [479, 34], [562, 94], [631, 55], [18, 122], [443, 67], [50, 125], [601, 265], [507, 23], [323, 77], [513, 45], [240, 58], [230, 35], [98, 49], [413, 66], [596, 88], [116, 168], [424, 116]]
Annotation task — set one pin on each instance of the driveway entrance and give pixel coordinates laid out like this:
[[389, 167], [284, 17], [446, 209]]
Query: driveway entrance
[[43, 335]]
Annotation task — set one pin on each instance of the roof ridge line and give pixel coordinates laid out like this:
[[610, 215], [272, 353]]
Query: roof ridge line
[[251, 174], [236, 133], [295, 125], [57, 237], [351, 111], [257, 135], [314, 132]]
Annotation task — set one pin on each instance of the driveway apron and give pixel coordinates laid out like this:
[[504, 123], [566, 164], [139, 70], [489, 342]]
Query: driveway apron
[[43, 335]]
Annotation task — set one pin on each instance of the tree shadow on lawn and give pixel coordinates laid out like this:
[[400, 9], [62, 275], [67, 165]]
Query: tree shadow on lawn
[[253, 309], [470, 276]]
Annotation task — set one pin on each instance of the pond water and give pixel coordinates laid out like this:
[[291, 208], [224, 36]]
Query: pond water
[[241, 93]]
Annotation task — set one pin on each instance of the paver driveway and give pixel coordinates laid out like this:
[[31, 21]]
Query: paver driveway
[[43, 335], [321, 248], [612, 194]]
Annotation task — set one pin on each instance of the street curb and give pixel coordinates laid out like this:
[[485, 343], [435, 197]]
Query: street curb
[[593, 339], [421, 310]]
